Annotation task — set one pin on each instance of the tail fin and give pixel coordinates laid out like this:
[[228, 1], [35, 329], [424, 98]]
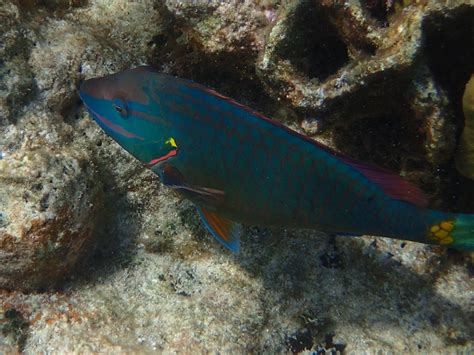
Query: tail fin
[[456, 232], [463, 232]]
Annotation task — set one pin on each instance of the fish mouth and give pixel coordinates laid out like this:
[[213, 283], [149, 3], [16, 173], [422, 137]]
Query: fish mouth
[[155, 161]]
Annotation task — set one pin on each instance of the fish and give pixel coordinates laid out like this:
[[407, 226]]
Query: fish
[[239, 167]]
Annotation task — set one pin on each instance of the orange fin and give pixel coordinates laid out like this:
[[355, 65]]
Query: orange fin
[[226, 232]]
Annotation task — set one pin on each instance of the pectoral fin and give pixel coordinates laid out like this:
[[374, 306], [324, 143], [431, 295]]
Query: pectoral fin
[[226, 232], [172, 178]]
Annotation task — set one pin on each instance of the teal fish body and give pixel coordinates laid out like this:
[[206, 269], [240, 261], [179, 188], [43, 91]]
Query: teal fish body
[[238, 166]]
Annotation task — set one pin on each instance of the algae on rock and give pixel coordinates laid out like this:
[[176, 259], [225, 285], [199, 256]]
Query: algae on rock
[[51, 187], [49, 210]]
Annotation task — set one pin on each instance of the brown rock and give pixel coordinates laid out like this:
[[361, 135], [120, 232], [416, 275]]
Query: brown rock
[[49, 210]]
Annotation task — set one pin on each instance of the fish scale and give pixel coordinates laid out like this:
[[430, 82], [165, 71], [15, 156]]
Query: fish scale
[[291, 186], [238, 166]]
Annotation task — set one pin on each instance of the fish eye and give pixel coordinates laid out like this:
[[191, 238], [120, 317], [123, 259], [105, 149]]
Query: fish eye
[[120, 105]]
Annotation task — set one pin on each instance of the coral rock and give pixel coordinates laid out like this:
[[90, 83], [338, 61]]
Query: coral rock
[[48, 206]]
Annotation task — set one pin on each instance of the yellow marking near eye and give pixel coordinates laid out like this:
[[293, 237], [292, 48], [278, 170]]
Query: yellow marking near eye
[[172, 142], [440, 233]]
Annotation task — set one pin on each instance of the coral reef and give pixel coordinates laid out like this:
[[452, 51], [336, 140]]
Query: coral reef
[[114, 262], [379, 79], [51, 191], [49, 206]]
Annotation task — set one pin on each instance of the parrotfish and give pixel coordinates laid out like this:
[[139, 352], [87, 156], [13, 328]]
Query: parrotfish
[[240, 167]]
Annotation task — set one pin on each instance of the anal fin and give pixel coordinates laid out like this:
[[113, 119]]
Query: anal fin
[[226, 232]]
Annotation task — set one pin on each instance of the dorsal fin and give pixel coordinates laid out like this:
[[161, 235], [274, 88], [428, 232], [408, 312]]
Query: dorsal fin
[[393, 185]]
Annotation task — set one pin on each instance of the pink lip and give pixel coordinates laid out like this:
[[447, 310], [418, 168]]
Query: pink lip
[[164, 157], [116, 128]]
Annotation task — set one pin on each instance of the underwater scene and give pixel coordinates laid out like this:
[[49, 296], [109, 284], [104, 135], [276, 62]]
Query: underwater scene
[[233, 177]]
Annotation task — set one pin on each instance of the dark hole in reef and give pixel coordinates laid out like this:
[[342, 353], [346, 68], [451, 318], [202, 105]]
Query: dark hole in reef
[[300, 341], [384, 140], [448, 49], [331, 260], [15, 326], [377, 9], [158, 40], [330, 344], [313, 44], [448, 40], [69, 110]]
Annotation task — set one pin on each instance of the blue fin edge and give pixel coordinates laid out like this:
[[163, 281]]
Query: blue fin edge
[[233, 245]]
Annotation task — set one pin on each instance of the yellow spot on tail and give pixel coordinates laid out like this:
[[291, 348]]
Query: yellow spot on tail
[[447, 225], [172, 142], [440, 233]]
